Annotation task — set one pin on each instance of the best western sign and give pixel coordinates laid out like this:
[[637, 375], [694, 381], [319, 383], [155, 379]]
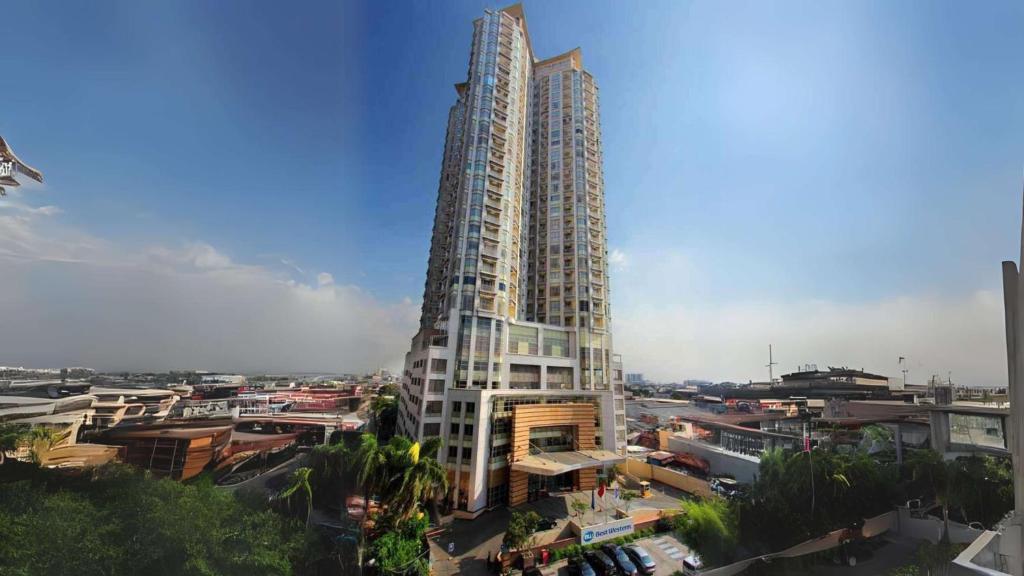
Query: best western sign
[[606, 531]]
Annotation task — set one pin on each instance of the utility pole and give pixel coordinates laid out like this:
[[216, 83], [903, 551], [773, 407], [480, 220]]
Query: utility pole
[[903, 363], [771, 363]]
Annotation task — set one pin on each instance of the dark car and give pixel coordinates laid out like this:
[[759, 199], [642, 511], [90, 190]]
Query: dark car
[[546, 523], [533, 571], [728, 487], [601, 563], [624, 564], [640, 558], [579, 567]]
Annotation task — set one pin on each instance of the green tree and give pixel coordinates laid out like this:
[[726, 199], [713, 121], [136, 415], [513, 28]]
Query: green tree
[[521, 527], [579, 507], [396, 472], [12, 436], [384, 412], [299, 483], [424, 479], [173, 528], [627, 496], [402, 551], [333, 473], [710, 528]]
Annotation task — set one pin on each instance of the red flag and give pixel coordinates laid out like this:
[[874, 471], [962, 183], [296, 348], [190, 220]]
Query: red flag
[[600, 491]]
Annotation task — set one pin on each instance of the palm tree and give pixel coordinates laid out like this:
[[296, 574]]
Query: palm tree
[[371, 465], [333, 467], [423, 479], [398, 475], [300, 481]]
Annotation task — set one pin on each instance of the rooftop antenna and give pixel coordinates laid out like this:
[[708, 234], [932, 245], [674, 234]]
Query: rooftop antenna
[[771, 363]]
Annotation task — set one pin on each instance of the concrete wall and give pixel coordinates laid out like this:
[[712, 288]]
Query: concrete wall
[[930, 528], [743, 468], [678, 480]]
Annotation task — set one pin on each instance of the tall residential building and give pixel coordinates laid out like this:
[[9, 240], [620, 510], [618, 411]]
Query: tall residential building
[[512, 365]]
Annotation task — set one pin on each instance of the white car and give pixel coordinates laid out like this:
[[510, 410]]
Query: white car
[[692, 565]]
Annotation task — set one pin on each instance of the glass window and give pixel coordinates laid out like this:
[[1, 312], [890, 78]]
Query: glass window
[[977, 430], [556, 343], [522, 340]]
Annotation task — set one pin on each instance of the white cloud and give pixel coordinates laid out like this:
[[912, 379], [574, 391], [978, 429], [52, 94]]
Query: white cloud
[[666, 328], [69, 298], [46, 210], [618, 260]]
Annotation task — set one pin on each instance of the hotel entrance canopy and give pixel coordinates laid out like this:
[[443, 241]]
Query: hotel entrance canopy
[[555, 463]]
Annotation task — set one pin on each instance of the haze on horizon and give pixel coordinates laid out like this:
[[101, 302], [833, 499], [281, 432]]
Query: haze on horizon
[[253, 190]]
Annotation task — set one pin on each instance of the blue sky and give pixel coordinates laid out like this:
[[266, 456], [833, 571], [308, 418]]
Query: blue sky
[[814, 174]]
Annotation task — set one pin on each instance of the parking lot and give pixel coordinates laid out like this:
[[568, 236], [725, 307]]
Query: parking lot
[[667, 552]]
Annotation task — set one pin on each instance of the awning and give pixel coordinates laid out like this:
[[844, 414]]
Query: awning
[[554, 463]]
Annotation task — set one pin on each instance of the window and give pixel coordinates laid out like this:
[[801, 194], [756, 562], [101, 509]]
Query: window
[[453, 451], [467, 453], [470, 407], [467, 430], [556, 342], [456, 407], [432, 429], [522, 340], [454, 428], [438, 365], [434, 408], [524, 377]]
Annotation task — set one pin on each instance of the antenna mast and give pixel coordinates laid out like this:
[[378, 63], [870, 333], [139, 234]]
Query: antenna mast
[[771, 363]]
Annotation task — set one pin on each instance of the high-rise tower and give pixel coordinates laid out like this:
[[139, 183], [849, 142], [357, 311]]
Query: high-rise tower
[[513, 362]]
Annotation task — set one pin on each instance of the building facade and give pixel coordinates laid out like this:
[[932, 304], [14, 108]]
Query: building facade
[[516, 302]]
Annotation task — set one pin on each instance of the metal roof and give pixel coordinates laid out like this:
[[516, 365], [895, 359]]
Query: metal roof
[[554, 463]]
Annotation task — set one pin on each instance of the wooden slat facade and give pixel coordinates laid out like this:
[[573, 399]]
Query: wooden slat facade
[[527, 416]]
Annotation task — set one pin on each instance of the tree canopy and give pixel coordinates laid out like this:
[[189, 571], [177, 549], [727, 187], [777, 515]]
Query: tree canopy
[[711, 527], [116, 520]]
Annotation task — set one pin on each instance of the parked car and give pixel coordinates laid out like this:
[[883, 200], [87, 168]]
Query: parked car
[[622, 561], [546, 523], [641, 559], [728, 487], [601, 563], [579, 567], [692, 565]]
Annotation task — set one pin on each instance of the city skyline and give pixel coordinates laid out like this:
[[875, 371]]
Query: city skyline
[[850, 222]]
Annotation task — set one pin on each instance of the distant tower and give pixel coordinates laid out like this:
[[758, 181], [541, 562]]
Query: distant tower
[[1011, 545]]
